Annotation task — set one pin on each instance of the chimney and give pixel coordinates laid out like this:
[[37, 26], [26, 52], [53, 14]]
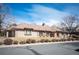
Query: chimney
[[43, 24]]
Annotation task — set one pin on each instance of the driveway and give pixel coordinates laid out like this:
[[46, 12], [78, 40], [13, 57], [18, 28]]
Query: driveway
[[44, 49]]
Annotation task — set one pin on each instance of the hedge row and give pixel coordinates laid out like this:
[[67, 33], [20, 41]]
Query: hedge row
[[28, 41]]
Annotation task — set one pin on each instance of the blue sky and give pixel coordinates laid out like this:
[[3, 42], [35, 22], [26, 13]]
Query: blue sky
[[38, 13]]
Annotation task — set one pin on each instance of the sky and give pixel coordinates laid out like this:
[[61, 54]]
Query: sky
[[38, 13]]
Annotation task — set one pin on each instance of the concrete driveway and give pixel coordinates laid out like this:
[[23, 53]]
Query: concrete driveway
[[44, 49]]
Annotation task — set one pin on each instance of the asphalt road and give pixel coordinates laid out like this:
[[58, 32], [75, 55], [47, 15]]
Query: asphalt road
[[45, 49]]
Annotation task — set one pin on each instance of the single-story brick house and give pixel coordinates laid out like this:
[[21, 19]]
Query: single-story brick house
[[33, 30]]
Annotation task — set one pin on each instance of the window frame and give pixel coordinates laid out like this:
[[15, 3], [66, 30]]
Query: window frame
[[28, 32]]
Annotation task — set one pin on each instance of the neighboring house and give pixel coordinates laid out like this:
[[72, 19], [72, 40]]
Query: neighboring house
[[33, 30]]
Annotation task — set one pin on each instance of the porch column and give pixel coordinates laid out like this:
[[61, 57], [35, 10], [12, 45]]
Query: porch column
[[7, 34]]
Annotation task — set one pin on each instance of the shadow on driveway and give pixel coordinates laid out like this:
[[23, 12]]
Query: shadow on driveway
[[32, 50]]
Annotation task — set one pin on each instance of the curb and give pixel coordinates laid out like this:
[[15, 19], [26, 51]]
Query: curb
[[22, 45]]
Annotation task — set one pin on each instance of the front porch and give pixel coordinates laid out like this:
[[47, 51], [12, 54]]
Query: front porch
[[10, 33]]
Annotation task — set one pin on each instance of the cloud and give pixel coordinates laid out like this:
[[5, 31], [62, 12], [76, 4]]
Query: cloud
[[72, 10], [41, 14]]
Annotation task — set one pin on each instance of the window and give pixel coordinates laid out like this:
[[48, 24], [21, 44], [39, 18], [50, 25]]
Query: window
[[28, 32], [47, 34], [52, 34], [40, 33]]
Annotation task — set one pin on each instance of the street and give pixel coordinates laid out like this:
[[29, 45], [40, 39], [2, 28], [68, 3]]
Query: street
[[44, 49]]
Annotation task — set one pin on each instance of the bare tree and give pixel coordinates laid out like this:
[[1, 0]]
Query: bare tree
[[5, 17], [69, 24], [2, 16]]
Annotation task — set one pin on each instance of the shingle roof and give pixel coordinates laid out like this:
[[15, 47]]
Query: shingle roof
[[55, 28], [31, 26]]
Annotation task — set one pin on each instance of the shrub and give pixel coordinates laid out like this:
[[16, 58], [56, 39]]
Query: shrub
[[22, 42], [15, 42], [1, 43], [63, 39], [56, 40], [72, 39], [47, 40], [53, 40], [75, 39], [33, 41], [44, 40], [8, 41], [60, 40], [30, 41]]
